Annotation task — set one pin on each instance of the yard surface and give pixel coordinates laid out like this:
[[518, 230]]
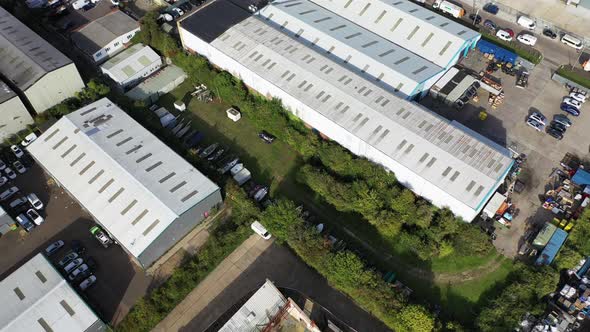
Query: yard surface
[[448, 281]]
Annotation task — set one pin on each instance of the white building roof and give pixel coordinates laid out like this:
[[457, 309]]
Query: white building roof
[[131, 61], [25, 57], [452, 157], [264, 304], [35, 297], [407, 24], [368, 52], [130, 181]]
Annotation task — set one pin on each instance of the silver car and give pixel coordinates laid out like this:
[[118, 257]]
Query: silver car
[[537, 116], [563, 119], [535, 124], [73, 264]]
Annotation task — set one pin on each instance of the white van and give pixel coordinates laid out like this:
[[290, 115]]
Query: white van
[[260, 230], [526, 22], [572, 41], [79, 4], [527, 39]]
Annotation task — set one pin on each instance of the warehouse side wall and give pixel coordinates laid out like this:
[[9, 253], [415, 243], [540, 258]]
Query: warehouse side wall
[[430, 192], [54, 87], [14, 117]]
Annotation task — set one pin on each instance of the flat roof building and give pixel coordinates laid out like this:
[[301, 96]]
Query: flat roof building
[[138, 189], [440, 160], [162, 82], [132, 65], [36, 297], [32, 66]]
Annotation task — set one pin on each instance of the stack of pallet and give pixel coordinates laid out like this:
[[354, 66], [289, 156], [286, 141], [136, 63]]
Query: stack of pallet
[[496, 101]]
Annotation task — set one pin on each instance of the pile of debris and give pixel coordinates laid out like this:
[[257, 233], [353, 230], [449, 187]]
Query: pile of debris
[[569, 191], [202, 93]]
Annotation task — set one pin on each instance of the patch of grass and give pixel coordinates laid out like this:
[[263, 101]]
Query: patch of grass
[[456, 263], [574, 75], [529, 54]]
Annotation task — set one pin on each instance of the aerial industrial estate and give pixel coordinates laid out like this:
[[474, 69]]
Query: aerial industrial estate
[[304, 165]]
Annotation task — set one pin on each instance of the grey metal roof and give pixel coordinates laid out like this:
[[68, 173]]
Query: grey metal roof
[[129, 180], [100, 32], [5, 92], [156, 82], [370, 53], [447, 154], [131, 61], [24, 56], [433, 36], [36, 297]]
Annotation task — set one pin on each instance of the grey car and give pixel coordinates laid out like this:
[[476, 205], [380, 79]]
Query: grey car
[[563, 119]]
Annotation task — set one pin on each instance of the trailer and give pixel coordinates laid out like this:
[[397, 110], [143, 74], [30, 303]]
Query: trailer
[[552, 248], [242, 176]]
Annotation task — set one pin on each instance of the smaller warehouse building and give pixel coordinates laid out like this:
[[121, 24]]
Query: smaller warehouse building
[[140, 191], [132, 65], [14, 116], [36, 297], [106, 36], [160, 83]]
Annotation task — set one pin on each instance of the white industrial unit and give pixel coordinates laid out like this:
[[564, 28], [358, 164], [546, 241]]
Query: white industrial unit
[[36, 297], [143, 194], [132, 65], [14, 116], [443, 161]]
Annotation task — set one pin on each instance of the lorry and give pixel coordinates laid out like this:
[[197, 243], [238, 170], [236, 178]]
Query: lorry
[[242, 176], [449, 8]]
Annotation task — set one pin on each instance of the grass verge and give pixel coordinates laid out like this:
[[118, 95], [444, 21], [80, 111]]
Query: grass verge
[[569, 72]]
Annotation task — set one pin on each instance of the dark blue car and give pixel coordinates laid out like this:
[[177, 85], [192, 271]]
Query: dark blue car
[[491, 8], [570, 109]]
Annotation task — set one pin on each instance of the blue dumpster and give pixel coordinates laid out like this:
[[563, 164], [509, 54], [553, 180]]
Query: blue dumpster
[[499, 53]]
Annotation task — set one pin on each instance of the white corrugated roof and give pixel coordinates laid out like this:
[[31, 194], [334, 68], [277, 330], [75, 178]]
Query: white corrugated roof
[[130, 181], [370, 53], [35, 294], [447, 154], [407, 24], [131, 61]]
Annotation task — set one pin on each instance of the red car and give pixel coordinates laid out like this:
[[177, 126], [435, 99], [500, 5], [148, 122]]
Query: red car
[[510, 32]]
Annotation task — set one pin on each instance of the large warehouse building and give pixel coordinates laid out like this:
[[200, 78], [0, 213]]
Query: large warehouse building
[[140, 191], [445, 162], [14, 116], [36, 297], [41, 74]]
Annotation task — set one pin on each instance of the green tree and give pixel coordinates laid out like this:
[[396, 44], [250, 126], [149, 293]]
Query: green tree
[[416, 318]]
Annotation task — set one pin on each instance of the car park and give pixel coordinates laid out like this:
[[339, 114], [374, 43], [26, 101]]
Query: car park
[[80, 269], [527, 39], [73, 264], [537, 116], [563, 119], [87, 282], [475, 19], [555, 133], [266, 137], [490, 25], [504, 35], [564, 107], [67, 259], [19, 167], [35, 201], [101, 236], [17, 202], [17, 151], [572, 102], [549, 33], [8, 193], [579, 96], [535, 124], [259, 229], [35, 216], [54, 247], [24, 222], [491, 8]]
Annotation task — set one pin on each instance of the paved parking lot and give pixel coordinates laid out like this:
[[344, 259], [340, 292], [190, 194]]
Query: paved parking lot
[[119, 282]]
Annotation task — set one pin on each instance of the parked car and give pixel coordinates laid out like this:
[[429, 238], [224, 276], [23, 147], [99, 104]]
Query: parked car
[[3, 180], [19, 167], [6, 194], [35, 201], [581, 97], [549, 33], [527, 39], [260, 194], [475, 19], [35, 216], [535, 124], [24, 222], [174, 14], [504, 35], [491, 8], [54, 247], [81, 276], [228, 165], [101, 236], [571, 101], [10, 173], [17, 202], [526, 22], [78, 270], [87, 282], [558, 126], [564, 107], [563, 119], [2, 165], [266, 137], [216, 155], [260, 230], [209, 150], [178, 11], [73, 264], [67, 259], [17, 151], [197, 3], [555, 133], [28, 139], [186, 6], [165, 17], [510, 32], [537, 116], [490, 25]]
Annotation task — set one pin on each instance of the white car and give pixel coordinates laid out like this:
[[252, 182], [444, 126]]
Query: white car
[[260, 230], [179, 11], [504, 35], [537, 116], [572, 102], [35, 217], [35, 201], [87, 282], [55, 246], [28, 139], [581, 97], [3, 180], [17, 151], [78, 270], [166, 17], [73, 264], [527, 39], [535, 124], [2, 165], [19, 167], [10, 173]]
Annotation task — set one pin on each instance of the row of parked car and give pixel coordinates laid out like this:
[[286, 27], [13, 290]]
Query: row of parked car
[[76, 268], [558, 127], [176, 11]]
